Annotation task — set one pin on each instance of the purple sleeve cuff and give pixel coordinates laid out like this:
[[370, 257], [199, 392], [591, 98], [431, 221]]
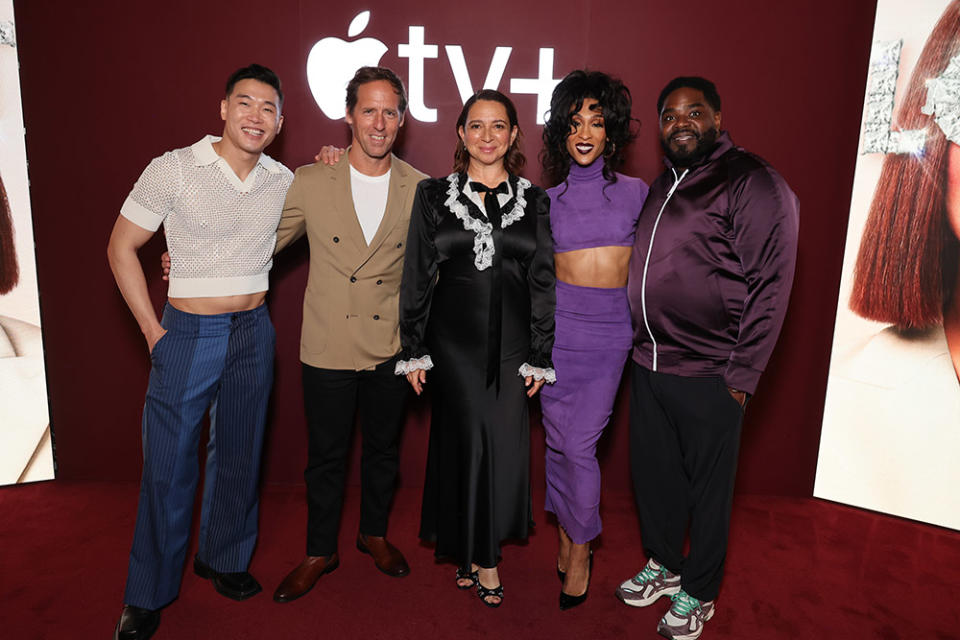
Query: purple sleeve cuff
[[741, 377]]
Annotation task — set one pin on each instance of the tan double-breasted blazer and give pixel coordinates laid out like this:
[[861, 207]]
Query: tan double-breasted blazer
[[351, 305]]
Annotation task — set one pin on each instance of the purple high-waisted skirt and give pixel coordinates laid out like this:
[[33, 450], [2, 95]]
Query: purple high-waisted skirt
[[593, 340]]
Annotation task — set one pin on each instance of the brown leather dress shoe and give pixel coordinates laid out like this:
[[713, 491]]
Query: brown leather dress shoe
[[299, 581], [386, 556]]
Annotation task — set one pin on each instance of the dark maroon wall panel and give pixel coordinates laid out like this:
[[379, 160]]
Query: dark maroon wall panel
[[109, 85]]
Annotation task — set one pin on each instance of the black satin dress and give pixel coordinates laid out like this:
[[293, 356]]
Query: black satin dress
[[477, 487]]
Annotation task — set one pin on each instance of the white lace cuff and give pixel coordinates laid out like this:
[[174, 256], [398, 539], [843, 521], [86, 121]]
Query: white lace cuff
[[406, 366], [538, 374]]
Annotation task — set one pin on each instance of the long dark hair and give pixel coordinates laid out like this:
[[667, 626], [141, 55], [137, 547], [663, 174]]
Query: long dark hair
[[568, 97], [9, 271], [906, 268], [514, 160]]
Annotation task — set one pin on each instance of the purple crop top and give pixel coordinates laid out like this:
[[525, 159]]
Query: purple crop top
[[583, 214]]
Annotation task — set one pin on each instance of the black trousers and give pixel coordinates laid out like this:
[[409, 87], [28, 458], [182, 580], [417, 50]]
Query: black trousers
[[684, 441], [331, 398]]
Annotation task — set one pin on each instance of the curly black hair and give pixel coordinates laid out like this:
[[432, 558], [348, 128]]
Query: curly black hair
[[568, 96]]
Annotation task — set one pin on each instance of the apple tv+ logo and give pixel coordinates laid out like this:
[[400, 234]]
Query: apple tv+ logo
[[333, 61]]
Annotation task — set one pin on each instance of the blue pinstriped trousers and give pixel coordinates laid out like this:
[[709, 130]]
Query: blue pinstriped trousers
[[223, 363]]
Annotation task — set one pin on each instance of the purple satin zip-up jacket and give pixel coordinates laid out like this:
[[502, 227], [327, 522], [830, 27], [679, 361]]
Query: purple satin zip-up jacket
[[712, 267]]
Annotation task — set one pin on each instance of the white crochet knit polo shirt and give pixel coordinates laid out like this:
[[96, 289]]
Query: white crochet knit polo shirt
[[221, 231]]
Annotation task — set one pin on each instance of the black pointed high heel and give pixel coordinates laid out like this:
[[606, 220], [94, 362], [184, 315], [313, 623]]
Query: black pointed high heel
[[566, 600]]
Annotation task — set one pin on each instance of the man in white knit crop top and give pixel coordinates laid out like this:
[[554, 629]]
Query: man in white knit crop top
[[219, 201]]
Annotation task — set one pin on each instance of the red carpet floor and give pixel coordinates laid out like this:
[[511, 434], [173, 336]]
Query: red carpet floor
[[797, 568]]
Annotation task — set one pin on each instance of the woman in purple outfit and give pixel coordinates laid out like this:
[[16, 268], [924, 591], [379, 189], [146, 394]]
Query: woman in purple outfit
[[593, 215]]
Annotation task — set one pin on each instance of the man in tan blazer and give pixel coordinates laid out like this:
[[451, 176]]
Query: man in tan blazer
[[355, 215]]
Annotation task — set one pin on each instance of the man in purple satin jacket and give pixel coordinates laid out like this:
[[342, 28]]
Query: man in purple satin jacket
[[710, 279]]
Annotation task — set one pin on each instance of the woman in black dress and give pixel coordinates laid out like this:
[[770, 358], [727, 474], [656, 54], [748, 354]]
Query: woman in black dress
[[476, 305]]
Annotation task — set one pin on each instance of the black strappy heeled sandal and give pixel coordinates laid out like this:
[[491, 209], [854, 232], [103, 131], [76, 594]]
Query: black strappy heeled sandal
[[472, 576], [485, 593]]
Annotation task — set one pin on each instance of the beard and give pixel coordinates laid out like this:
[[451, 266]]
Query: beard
[[688, 157]]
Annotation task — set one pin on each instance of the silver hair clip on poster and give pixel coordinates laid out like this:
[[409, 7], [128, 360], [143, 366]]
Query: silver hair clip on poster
[[8, 36], [878, 133], [943, 100]]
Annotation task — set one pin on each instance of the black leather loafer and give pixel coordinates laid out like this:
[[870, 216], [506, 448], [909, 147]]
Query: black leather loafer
[[137, 623], [239, 585]]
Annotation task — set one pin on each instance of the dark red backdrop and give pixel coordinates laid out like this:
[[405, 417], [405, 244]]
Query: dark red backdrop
[[108, 85]]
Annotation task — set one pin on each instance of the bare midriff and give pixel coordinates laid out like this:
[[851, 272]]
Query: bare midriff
[[220, 304], [601, 267]]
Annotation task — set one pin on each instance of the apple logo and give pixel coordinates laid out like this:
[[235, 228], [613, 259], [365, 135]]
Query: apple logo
[[332, 62]]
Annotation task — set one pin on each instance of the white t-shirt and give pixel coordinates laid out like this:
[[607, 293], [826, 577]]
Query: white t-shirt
[[369, 200]]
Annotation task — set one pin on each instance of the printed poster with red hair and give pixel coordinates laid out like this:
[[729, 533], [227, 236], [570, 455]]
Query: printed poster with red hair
[[26, 447], [891, 425]]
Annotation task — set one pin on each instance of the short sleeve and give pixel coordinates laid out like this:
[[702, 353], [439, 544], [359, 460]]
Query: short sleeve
[[154, 193]]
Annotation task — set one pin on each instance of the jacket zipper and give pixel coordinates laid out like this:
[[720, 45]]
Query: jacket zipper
[[646, 262]]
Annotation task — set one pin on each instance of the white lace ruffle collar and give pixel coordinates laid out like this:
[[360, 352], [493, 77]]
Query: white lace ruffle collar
[[483, 231]]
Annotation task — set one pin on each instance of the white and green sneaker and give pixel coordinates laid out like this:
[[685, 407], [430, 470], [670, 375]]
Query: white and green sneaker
[[647, 586], [685, 619]]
